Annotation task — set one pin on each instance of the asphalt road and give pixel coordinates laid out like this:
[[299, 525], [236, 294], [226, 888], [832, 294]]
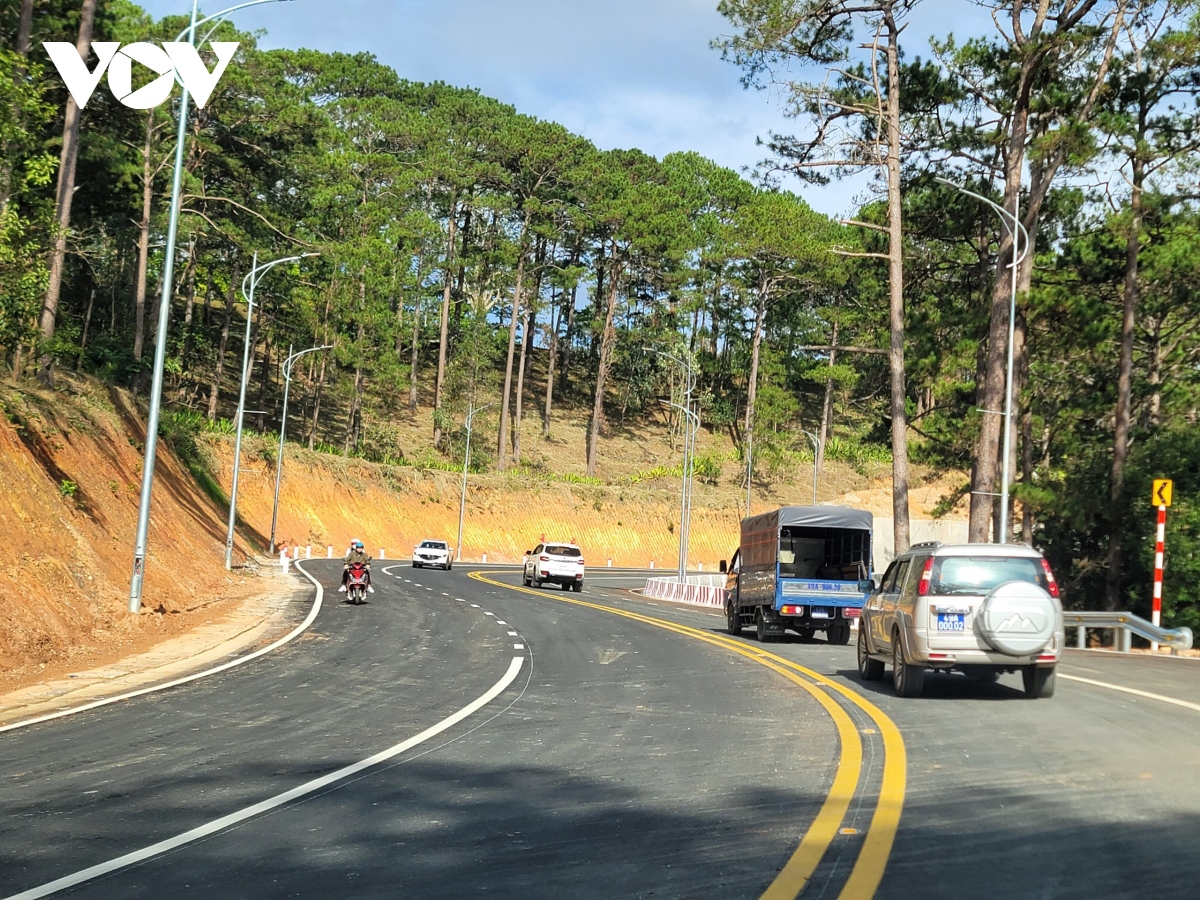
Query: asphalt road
[[611, 747]]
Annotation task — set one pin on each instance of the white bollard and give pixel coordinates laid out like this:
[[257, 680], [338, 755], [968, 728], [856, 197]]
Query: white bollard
[[610, 562], [485, 559], [652, 564], [700, 567], [329, 552], [308, 551], [284, 561], [382, 555]]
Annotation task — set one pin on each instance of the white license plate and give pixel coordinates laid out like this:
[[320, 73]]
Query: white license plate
[[821, 612], [951, 622]]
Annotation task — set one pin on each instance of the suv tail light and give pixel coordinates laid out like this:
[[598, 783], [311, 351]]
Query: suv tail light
[[543, 559], [581, 560], [1051, 584], [926, 575]]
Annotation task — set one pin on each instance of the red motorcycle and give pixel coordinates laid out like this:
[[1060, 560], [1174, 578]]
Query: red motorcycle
[[356, 583]]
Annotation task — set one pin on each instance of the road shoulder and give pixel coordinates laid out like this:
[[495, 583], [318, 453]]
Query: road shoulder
[[254, 622]]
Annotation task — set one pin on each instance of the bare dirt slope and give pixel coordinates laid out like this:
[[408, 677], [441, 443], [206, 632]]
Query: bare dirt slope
[[70, 464], [326, 500]]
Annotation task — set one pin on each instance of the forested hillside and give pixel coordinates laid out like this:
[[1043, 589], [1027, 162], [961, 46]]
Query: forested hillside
[[467, 254]]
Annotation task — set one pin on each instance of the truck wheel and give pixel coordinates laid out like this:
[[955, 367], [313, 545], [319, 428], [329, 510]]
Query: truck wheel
[[839, 633], [733, 619], [1039, 681], [760, 626], [870, 669], [909, 681]]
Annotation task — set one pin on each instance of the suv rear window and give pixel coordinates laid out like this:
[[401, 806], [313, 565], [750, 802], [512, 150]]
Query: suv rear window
[[559, 550], [979, 574]]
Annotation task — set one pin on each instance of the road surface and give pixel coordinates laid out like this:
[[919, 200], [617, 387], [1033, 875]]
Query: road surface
[[460, 735]]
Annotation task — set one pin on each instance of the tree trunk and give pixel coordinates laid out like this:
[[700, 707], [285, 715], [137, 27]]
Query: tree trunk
[[87, 321], [63, 195], [568, 339], [354, 420], [827, 405], [214, 391], [760, 315], [551, 358], [1155, 375], [1121, 433], [316, 409], [528, 324], [607, 341], [143, 257], [444, 337], [264, 381], [414, 362], [502, 440], [896, 293], [24, 30]]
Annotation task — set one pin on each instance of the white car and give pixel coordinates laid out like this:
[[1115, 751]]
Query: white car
[[560, 564], [431, 553]]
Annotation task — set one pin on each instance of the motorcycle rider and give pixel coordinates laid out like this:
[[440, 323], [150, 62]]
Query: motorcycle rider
[[356, 554]]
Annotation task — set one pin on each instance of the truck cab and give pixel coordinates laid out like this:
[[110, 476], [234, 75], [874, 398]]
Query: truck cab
[[807, 568]]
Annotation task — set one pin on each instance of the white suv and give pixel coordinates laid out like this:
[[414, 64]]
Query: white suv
[[431, 553], [983, 609], [560, 564]]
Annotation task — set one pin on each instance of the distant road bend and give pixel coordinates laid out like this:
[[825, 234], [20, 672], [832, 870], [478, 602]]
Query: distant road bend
[[462, 734]]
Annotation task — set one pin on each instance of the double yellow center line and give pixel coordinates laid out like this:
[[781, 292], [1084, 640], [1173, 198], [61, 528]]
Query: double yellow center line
[[877, 845]]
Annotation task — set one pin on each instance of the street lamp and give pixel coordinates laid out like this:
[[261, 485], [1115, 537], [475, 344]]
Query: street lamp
[[462, 501], [1012, 224], [816, 452], [164, 313], [685, 500], [251, 281], [287, 383]]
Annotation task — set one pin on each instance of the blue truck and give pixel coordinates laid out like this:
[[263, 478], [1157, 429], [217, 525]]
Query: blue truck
[[807, 568]]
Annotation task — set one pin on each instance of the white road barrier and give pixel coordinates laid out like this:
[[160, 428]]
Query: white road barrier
[[698, 590]]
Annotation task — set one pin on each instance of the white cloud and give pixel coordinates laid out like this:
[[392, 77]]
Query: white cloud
[[628, 73]]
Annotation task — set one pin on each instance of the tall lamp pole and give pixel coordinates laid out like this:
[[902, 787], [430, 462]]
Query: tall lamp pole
[[164, 313], [287, 383], [248, 284], [1012, 224], [816, 452], [689, 446], [462, 500]]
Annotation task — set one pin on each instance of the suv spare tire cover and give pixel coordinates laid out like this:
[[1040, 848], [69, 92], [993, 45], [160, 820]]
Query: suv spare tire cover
[[1017, 618]]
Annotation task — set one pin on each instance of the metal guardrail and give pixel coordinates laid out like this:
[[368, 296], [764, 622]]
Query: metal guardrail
[[1124, 626]]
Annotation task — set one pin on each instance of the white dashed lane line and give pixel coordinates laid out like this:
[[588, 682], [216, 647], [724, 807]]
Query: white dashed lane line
[[513, 634], [518, 646]]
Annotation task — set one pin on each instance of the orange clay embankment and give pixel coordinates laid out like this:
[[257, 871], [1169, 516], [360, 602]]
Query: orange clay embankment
[[327, 500], [70, 463]]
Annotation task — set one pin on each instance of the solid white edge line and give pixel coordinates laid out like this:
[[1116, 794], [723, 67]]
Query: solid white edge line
[[1127, 690], [196, 676], [278, 800]]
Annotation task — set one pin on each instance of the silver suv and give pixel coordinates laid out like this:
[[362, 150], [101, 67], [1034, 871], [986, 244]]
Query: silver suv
[[983, 609]]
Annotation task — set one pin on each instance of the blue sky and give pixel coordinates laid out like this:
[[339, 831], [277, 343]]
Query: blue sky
[[623, 73]]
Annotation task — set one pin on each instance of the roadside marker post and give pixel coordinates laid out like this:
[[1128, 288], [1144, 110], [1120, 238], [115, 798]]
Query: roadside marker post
[[284, 561], [1162, 496], [329, 551]]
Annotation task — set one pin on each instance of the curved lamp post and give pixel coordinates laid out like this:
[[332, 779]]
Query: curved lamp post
[[689, 446], [287, 383], [462, 500], [816, 452], [164, 313], [1012, 224], [248, 284]]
